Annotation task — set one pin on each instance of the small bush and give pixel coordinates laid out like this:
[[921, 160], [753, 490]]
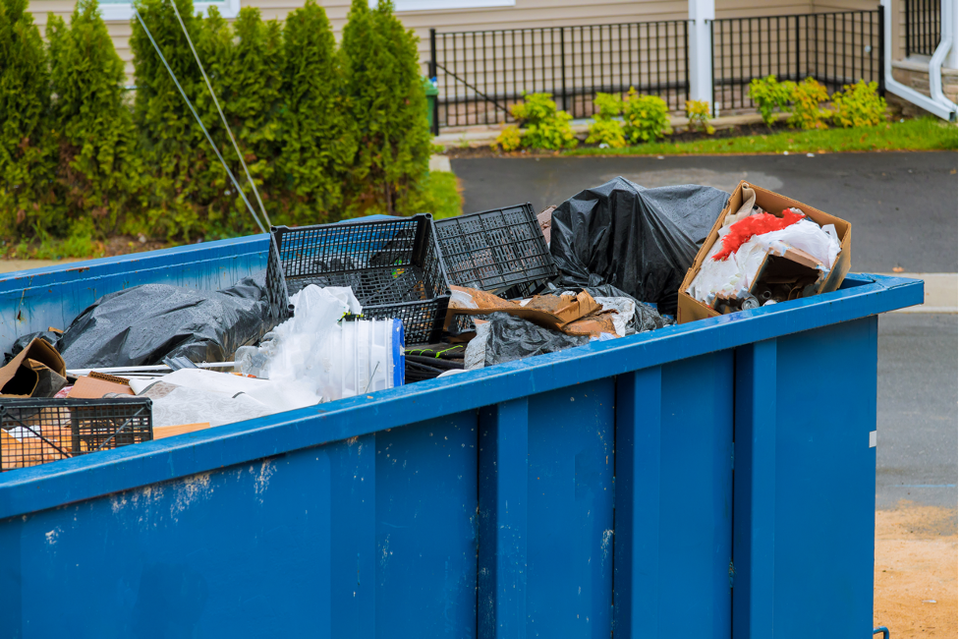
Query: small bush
[[544, 127], [698, 116], [644, 117], [858, 105], [606, 130], [609, 132], [509, 138], [770, 95], [806, 112], [608, 105]]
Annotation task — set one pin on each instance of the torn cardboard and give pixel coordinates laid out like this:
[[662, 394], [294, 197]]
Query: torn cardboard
[[555, 312], [35, 368], [690, 309]]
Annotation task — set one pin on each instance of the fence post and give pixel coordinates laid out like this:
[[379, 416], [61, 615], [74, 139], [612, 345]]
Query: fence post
[[882, 88], [433, 76], [563, 71], [701, 16], [796, 31]]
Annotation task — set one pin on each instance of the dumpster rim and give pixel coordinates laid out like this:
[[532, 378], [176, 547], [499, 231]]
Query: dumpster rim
[[51, 485]]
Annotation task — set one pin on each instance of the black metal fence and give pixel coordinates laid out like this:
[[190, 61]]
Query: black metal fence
[[922, 33], [834, 48], [481, 73]]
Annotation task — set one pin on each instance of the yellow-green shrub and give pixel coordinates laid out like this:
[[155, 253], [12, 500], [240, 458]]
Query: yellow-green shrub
[[858, 105], [644, 117]]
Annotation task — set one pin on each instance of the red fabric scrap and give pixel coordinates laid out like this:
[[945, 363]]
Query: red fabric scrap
[[740, 232]]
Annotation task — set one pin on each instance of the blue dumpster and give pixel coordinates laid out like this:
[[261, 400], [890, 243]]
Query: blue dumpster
[[714, 479]]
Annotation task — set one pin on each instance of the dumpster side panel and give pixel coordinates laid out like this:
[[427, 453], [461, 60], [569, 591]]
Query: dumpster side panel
[[826, 480], [243, 551], [34, 300], [805, 483], [570, 511], [426, 523], [674, 499], [696, 495]]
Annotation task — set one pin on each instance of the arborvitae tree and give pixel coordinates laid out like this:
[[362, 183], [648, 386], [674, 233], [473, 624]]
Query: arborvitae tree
[[98, 172], [318, 142], [365, 64], [405, 156], [389, 106], [243, 64], [169, 135], [27, 151]]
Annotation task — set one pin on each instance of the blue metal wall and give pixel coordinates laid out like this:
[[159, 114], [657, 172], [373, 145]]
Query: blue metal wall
[[38, 299], [712, 479]]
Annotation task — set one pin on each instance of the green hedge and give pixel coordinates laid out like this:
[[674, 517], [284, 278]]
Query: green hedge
[[326, 133]]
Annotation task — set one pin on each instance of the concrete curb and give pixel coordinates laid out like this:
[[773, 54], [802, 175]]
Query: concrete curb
[[939, 292], [476, 136]]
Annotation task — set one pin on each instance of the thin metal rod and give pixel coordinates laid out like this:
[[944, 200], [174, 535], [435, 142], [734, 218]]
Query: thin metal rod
[[158, 368], [236, 148], [199, 121]]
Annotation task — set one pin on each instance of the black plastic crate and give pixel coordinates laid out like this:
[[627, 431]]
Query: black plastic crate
[[393, 267], [36, 431], [501, 251]]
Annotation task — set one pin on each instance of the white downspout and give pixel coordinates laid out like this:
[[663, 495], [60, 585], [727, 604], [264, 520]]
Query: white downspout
[[947, 35], [926, 103]]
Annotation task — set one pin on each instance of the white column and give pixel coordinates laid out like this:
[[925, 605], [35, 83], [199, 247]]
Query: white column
[[951, 61], [701, 53]]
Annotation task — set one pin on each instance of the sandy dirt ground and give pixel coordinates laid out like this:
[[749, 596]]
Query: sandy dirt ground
[[915, 587]]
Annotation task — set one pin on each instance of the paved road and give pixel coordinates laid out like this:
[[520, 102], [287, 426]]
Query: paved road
[[917, 410], [903, 206]]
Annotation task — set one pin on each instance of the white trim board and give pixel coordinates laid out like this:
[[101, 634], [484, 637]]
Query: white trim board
[[123, 11]]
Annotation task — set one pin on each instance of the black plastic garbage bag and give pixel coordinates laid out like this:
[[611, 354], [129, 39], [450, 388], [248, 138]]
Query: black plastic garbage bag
[[144, 324], [507, 337], [640, 240], [51, 337]]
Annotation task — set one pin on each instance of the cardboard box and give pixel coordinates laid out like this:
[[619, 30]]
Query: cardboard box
[[690, 309]]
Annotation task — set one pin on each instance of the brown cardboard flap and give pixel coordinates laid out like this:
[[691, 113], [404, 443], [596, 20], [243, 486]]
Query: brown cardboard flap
[[19, 380], [549, 311], [689, 309], [161, 432], [93, 388]]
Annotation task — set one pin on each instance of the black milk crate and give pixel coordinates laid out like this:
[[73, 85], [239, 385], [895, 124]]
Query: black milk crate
[[393, 267], [501, 251], [37, 430]]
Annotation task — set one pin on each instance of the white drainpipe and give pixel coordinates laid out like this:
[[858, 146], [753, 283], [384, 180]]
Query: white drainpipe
[[938, 105], [947, 38]]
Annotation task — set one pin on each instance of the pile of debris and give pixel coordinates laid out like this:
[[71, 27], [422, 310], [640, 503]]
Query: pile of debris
[[349, 309]]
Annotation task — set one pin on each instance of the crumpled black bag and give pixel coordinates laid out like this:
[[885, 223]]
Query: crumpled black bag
[[51, 337], [145, 324], [640, 240], [511, 338]]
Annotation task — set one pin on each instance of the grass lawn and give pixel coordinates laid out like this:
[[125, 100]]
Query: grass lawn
[[441, 196], [923, 134]]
